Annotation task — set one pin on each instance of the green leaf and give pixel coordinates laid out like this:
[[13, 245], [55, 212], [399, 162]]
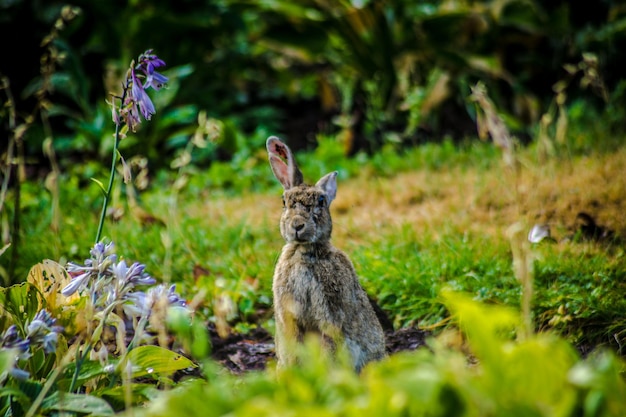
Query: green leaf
[[13, 392], [181, 115], [30, 388], [116, 396], [155, 360], [100, 184], [21, 301], [7, 359], [487, 327], [79, 403], [4, 248], [88, 370]]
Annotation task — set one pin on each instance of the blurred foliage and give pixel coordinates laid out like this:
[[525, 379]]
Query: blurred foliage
[[370, 72], [507, 376], [404, 68]]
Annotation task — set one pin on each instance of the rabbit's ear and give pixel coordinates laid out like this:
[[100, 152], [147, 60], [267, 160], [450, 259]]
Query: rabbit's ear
[[283, 163], [328, 183]]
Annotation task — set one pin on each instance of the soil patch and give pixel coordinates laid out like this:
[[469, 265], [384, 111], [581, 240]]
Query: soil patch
[[240, 353]]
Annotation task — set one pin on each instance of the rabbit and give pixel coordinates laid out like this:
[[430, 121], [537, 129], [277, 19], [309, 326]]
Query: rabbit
[[315, 286]]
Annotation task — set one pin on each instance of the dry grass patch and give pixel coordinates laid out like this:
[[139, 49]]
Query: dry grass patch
[[486, 202], [457, 199]]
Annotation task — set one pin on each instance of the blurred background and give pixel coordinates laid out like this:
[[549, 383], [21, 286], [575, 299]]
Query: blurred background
[[368, 73]]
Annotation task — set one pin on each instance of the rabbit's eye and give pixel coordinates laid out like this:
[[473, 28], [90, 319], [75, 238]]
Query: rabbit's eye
[[321, 200]]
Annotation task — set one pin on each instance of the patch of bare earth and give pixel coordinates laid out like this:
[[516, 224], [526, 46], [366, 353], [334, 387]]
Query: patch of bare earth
[[252, 351], [460, 199]]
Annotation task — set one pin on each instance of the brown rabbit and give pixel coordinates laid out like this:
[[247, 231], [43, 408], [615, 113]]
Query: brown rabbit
[[316, 289]]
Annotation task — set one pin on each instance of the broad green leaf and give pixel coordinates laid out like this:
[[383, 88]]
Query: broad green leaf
[[116, 396], [30, 388], [22, 301], [178, 116], [79, 403], [13, 392], [155, 360], [88, 370]]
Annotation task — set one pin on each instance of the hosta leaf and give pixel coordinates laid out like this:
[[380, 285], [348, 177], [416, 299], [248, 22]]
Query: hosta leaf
[[155, 360], [89, 370], [21, 301], [79, 403], [116, 396]]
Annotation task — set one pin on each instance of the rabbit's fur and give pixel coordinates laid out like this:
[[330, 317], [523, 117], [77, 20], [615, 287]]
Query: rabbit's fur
[[315, 286]]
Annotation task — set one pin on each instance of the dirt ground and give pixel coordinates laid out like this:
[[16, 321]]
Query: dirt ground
[[251, 352]]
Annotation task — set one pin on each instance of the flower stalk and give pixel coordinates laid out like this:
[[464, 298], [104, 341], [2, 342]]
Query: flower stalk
[[107, 193], [126, 111]]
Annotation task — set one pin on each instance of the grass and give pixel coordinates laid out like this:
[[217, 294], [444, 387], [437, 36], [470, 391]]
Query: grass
[[413, 223]]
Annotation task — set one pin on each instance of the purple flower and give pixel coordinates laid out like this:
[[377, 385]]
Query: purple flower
[[76, 283], [134, 305], [102, 257], [173, 298], [101, 250], [128, 277], [137, 102], [49, 342], [130, 113], [148, 62], [141, 98], [141, 303], [19, 374], [43, 332], [156, 80], [109, 283], [11, 339]]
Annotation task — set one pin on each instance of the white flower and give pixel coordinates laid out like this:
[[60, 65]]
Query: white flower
[[538, 233]]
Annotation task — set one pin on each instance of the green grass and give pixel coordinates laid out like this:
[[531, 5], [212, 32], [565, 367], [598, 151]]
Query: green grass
[[407, 271], [224, 243]]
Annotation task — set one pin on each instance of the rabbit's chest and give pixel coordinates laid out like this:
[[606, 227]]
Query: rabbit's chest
[[308, 292]]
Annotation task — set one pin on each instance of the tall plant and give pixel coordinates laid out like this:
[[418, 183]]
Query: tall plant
[[103, 297], [128, 109]]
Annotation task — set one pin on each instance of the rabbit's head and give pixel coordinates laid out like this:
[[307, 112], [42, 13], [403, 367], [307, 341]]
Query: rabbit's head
[[306, 209]]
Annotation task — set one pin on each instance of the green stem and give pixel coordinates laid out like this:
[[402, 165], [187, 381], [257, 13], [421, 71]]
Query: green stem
[[79, 362], [107, 194]]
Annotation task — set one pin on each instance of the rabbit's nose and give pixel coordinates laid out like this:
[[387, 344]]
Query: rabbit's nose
[[298, 226]]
